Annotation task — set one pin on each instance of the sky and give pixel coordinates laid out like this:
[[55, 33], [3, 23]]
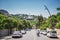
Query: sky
[[30, 7]]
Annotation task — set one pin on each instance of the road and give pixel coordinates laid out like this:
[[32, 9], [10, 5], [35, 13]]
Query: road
[[30, 35]]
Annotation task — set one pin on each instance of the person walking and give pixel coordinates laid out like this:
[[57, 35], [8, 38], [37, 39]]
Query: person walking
[[38, 32]]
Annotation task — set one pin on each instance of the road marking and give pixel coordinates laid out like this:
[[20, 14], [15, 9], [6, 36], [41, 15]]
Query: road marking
[[34, 35], [34, 38]]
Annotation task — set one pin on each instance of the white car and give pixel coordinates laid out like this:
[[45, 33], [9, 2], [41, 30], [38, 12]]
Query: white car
[[41, 31], [52, 33], [44, 32], [23, 31], [16, 34]]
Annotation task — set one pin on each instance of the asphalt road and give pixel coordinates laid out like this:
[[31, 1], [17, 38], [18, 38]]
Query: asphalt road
[[30, 35]]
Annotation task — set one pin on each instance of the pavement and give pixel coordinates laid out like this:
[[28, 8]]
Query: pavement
[[30, 35], [58, 36]]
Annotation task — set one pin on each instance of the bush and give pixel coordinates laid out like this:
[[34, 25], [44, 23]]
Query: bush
[[44, 26], [9, 22], [2, 18], [58, 25], [58, 18]]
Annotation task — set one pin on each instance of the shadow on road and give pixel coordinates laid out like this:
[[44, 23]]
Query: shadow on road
[[54, 37], [1, 37], [7, 38]]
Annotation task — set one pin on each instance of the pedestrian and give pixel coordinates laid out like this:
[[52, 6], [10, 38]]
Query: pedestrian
[[38, 32]]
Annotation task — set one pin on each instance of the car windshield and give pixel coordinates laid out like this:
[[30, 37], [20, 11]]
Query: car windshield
[[52, 31]]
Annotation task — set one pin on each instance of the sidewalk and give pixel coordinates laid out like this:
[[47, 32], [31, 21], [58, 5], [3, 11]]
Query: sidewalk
[[5, 37], [58, 36]]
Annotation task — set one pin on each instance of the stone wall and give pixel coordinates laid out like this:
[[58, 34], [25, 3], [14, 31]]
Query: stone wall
[[4, 32], [58, 32]]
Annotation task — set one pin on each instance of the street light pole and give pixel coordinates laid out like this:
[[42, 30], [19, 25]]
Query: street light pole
[[50, 15], [47, 9]]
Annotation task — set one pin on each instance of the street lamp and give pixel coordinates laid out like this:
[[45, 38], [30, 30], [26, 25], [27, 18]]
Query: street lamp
[[47, 9], [53, 24]]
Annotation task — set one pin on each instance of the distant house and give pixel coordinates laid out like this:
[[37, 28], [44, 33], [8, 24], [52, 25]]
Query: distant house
[[24, 16], [30, 17], [4, 12]]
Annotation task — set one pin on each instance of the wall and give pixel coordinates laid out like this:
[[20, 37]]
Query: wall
[[4, 32], [58, 32]]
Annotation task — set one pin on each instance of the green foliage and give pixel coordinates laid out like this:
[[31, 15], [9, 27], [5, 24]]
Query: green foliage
[[26, 24], [58, 8], [54, 16], [40, 20], [58, 14], [52, 21], [9, 22], [58, 25], [58, 18], [43, 26], [2, 18]]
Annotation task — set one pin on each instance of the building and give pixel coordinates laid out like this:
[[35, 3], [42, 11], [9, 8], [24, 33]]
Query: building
[[29, 17]]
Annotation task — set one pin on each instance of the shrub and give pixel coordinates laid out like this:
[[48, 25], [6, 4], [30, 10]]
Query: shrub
[[58, 25]]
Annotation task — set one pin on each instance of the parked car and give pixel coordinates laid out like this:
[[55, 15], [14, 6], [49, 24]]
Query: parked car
[[16, 34], [23, 31], [52, 33], [43, 32]]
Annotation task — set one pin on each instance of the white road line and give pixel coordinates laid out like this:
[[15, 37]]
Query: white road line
[[34, 34]]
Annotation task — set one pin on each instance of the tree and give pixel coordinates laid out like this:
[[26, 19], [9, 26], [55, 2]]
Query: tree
[[58, 8], [58, 14], [26, 24], [40, 20], [52, 22], [58, 18], [2, 18], [9, 22], [44, 25], [58, 25]]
